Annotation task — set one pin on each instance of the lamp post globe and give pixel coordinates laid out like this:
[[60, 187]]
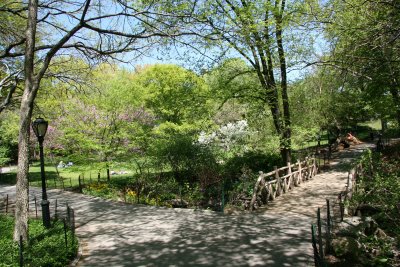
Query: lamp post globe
[[39, 127]]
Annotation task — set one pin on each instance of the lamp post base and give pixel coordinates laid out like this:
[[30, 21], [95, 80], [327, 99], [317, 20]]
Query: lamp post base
[[46, 213]]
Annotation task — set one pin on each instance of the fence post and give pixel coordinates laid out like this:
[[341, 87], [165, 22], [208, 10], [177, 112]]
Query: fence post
[[328, 230], [315, 167], [350, 183], [35, 207], [21, 250], [108, 175], [65, 235], [341, 206], [255, 191], [223, 196], [290, 178], [68, 215], [308, 169], [73, 221], [300, 179], [80, 184], [314, 245], [55, 210], [321, 248], [7, 204], [98, 177], [278, 182]]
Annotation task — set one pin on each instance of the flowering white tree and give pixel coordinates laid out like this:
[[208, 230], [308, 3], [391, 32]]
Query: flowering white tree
[[230, 136]]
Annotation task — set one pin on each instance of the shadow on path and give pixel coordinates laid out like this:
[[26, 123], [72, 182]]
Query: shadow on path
[[118, 234]]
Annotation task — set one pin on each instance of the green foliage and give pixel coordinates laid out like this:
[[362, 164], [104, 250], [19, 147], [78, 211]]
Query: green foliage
[[8, 136], [367, 51], [379, 188], [4, 152], [174, 94], [101, 189], [46, 247], [240, 173], [173, 144], [254, 161]]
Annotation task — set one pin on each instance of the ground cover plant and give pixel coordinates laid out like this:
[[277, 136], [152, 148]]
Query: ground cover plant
[[377, 200], [46, 247]]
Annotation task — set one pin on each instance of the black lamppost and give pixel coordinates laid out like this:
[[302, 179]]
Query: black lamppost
[[39, 127]]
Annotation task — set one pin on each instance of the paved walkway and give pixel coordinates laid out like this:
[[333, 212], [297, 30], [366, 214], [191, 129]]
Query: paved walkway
[[117, 234]]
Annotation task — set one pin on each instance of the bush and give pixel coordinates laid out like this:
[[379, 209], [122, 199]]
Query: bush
[[254, 161], [241, 173], [4, 152]]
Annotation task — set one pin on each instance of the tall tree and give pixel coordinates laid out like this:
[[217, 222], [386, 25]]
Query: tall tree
[[92, 28], [174, 94], [255, 30], [365, 38], [11, 31]]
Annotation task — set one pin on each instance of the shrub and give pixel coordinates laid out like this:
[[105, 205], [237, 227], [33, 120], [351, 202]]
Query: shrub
[[254, 161]]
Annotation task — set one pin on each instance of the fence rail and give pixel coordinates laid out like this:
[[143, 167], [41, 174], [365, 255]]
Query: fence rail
[[279, 181]]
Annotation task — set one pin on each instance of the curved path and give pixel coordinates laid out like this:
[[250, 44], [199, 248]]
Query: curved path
[[117, 234]]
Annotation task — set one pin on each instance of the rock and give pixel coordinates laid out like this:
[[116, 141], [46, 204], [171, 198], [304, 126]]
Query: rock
[[347, 247], [233, 210], [349, 226], [332, 260], [375, 252], [178, 203], [369, 226], [380, 233], [356, 226]]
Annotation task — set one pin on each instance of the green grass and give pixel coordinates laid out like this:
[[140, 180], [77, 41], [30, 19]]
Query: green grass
[[69, 176], [46, 247], [374, 125]]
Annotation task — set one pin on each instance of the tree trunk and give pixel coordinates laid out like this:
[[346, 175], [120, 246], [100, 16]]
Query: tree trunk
[[22, 186], [286, 143]]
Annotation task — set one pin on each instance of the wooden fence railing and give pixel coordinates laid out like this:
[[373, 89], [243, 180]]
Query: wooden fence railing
[[279, 181]]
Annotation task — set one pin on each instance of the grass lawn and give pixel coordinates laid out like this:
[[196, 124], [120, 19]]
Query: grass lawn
[[46, 247], [69, 176]]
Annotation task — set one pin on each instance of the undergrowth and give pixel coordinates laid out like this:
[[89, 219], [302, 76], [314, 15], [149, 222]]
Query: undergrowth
[[46, 247]]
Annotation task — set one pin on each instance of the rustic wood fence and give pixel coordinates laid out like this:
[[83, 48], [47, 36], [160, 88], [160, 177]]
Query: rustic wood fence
[[279, 181]]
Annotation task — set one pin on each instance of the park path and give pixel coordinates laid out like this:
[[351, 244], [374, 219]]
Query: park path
[[117, 234]]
